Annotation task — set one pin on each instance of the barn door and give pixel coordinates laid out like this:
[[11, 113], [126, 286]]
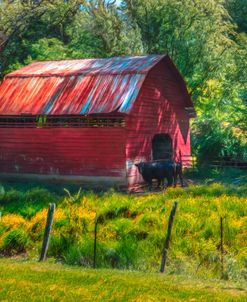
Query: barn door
[[162, 147]]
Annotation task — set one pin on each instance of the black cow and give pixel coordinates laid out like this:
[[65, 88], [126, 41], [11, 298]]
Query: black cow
[[177, 172], [160, 170]]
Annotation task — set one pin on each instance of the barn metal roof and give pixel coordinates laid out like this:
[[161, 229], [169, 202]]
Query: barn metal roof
[[82, 87]]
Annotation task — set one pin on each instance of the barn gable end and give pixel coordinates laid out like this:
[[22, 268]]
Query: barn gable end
[[159, 111]]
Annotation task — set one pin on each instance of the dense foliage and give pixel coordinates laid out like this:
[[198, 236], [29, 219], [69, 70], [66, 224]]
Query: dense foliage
[[206, 39], [131, 230]]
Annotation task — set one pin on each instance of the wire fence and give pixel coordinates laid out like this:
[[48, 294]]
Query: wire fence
[[192, 161]]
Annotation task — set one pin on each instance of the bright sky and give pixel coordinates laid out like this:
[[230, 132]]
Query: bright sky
[[118, 2]]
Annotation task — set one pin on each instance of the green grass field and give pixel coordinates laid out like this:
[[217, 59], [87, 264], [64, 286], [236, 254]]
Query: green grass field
[[30, 281], [131, 234], [132, 229]]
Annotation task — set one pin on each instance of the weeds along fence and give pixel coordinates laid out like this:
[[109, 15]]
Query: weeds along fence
[[48, 229], [131, 230]]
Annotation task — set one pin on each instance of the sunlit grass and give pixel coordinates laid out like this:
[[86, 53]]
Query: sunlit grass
[[24, 281]]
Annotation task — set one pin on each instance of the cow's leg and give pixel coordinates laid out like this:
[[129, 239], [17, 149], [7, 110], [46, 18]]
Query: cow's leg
[[159, 183], [181, 178], [162, 183], [175, 178], [150, 185], [170, 181]]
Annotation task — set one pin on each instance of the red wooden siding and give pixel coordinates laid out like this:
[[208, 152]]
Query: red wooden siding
[[63, 151], [148, 92], [159, 108]]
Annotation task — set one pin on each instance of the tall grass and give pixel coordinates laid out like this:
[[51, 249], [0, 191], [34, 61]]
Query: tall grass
[[132, 229]]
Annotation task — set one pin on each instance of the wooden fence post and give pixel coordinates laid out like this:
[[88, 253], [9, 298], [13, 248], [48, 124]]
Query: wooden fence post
[[49, 220], [95, 241], [168, 237]]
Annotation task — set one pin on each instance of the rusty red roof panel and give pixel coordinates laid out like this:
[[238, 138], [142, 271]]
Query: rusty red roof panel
[[75, 86], [116, 65]]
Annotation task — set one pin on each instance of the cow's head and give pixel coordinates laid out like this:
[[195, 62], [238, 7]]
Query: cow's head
[[140, 166]]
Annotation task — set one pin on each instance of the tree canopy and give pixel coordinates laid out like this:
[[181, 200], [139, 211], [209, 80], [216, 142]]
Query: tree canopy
[[207, 40]]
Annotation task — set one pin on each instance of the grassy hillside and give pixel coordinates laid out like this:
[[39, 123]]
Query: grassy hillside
[[22, 281], [132, 229]]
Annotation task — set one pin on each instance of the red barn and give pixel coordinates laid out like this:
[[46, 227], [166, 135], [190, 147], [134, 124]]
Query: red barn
[[90, 120]]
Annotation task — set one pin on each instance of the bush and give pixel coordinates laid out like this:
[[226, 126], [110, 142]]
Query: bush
[[213, 138], [14, 242], [29, 203]]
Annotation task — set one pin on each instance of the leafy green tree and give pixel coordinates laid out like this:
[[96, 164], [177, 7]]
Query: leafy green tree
[[23, 23], [201, 38], [196, 34], [238, 11], [99, 30]]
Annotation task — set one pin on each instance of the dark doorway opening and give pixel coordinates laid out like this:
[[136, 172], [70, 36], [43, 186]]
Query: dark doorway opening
[[162, 147]]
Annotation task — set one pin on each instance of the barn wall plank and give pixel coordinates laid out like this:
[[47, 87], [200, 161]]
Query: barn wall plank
[[63, 151]]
